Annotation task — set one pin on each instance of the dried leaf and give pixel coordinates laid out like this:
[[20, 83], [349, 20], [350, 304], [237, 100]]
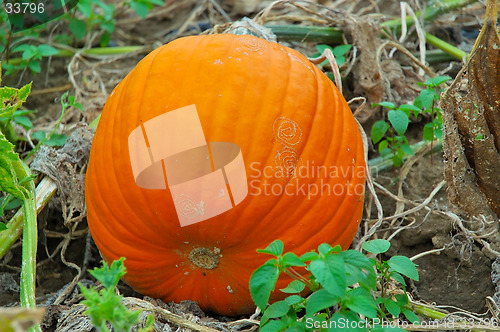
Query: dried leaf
[[471, 117]]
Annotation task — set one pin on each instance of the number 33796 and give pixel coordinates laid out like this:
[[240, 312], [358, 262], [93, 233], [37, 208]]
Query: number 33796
[[23, 8]]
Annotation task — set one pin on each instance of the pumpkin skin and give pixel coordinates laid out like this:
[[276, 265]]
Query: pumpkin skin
[[246, 90]]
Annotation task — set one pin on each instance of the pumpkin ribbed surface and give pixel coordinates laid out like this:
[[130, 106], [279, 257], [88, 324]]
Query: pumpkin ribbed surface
[[302, 152]]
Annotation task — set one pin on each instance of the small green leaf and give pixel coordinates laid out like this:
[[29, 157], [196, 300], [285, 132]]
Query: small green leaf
[[2, 226], [47, 50], [410, 315], [78, 28], [110, 275], [399, 120], [293, 299], [23, 121], [398, 277], [378, 130], [324, 249], [341, 50], [34, 66], [330, 273], [386, 104], [377, 246], [262, 283], [403, 265], [140, 8], [383, 148], [319, 300], [425, 99], [290, 259], [105, 39], [275, 248], [56, 140], [295, 286], [392, 307], [407, 149], [309, 256], [436, 81]]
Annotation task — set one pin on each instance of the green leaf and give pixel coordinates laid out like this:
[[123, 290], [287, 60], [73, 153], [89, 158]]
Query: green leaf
[[406, 149], [140, 8], [436, 81], [290, 259], [324, 249], [309, 256], [428, 131], [392, 307], [85, 7], [401, 299], [379, 129], [110, 275], [275, 248], [273, 326], [359, 269], [47, 50], [23, 121], [293, 299], [105, 39], [398, 277], [386, 104], [330, 273], [346, 321], [377, 246], [56, 140], [425, 99], [262, 283], [410, 315], [34, 66], [383, 148], [341, 50], [295, 286], [404, 266], [10, 169], [361, 301], [399, 120], [277, 309], [2, 226], [78, 28], [319, 300]]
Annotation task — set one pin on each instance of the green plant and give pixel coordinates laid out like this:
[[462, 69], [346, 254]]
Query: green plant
[[343, 285], [390, 135], [104, 306], [142, 7], [338, 51], [16, 180]]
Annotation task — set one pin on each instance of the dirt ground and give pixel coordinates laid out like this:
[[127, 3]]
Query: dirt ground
[[458, 276]]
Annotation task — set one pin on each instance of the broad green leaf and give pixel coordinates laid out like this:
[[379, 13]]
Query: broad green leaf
[[407, 108], [34, 66], [295, 286], [331, 275], [377, 246], [399, 120], [407, 149], [9, 178], [262, 283], [85, 7], [290, 259], [361, 301], [383, 148], [277, 309], [2, 226], [428, 131], [404, 266], [398, 277], [275, 248], [392, 307], [320, 300], [359, 269], [379, 129]]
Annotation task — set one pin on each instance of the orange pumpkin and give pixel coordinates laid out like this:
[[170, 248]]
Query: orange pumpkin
[[301, 149]]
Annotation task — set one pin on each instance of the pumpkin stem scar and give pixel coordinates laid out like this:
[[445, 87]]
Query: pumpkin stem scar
[[204, 258]]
